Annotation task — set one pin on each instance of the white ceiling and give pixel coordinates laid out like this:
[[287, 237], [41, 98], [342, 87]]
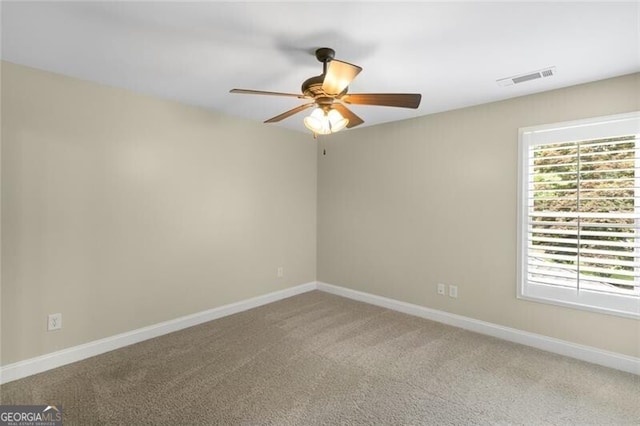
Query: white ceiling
[[452, 53]]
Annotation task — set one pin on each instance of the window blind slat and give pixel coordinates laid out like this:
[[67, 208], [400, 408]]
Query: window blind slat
[[586, 215], [582, 232], [613, 262], [537, 248], [554, 240]]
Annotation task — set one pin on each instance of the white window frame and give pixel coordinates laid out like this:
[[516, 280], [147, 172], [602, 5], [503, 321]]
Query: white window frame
[[588, 129]]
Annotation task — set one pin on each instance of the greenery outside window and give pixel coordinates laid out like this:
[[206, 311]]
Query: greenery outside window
[[579, 214]]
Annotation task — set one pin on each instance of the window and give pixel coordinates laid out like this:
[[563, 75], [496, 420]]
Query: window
[[579, 214]]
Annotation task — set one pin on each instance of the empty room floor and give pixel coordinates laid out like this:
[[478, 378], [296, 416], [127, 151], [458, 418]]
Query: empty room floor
[[317, 358]]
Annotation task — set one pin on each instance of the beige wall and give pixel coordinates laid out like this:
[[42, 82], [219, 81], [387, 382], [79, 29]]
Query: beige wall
[[121, 210], [406, 205]]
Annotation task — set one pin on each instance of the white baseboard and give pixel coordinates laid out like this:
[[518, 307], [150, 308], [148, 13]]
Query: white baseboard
[[562, 347], [45, 362], [52, 360]]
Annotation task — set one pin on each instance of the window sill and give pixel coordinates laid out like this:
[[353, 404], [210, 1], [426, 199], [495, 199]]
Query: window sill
[[609, 304]]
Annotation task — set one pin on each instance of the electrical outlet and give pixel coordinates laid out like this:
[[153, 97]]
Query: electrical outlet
[[280, 272], [54, 322], [441, 289], [453, 291]]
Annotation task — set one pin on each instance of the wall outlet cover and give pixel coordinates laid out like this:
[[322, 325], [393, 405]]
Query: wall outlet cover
[[54, 322], [453, 291]]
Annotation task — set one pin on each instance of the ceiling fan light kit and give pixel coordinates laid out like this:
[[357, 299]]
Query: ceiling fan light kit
[[322, 122], [329, 94]]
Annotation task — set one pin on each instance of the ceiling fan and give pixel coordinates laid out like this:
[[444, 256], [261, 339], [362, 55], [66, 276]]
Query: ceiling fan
[[328, 93]]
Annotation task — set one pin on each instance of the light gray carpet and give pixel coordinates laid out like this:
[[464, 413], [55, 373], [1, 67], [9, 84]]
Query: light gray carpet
[[320, 359]]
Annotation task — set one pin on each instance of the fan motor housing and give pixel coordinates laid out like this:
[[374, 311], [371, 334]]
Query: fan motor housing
[[313, 87]]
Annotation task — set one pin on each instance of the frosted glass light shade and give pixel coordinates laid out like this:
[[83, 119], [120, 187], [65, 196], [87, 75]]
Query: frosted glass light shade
[[317, 122], [336, 121], [322, 123]]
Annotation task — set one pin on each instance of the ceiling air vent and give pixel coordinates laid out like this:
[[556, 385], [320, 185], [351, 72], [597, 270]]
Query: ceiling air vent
[[534, 75]]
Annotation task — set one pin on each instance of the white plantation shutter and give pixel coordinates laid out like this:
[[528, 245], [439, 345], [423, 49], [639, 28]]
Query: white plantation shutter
[[580, 214]]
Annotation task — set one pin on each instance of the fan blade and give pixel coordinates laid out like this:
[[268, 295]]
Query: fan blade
[[354, 120], [289, 113], [262, 92], [339, 76], [403, 100]]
